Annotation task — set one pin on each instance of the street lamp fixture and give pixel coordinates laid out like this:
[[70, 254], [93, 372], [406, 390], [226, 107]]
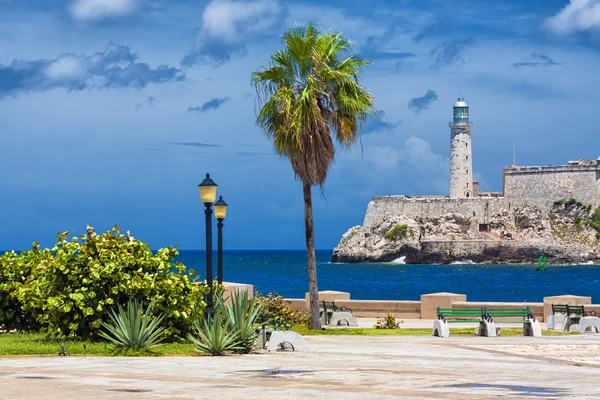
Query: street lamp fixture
[[208, 194], [220, 213]]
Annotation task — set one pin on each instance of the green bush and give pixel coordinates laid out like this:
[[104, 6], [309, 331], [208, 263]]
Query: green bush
[[595, 223], [14, 270], [399, 231], [71, 288], [389, 322], [277, 308]]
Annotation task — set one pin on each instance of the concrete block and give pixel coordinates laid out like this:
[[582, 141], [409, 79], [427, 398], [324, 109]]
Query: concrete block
[[327, 295], [230, 288], [564, 299], [589, 324], [533, 328], [487, 329], [430, 302], [440, 328], [286, 337], [380, 308], [342, 319], [554, 319]]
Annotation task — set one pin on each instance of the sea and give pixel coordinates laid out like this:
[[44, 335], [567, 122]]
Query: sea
[[285, 273]]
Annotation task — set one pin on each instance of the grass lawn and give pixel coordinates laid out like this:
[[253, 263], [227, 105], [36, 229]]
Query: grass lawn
[[303, 330], [37, 344]]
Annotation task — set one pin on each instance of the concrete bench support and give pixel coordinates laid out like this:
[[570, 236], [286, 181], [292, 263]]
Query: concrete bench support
[[533, 328], [487, 329], [554, 319], [589, 324], [342, 318], [278, 340], [440, 328]]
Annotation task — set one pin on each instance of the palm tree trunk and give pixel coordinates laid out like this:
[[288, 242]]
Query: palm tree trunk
[[313, 290]]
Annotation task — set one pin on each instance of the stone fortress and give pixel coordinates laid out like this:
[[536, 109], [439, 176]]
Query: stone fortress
[[471, 224]]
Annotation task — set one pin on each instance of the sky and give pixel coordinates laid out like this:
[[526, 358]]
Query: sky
[[114, 110]]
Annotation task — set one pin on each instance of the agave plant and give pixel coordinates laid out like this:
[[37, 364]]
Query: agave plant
[[214, 336], [241, 314], [134, 329], [63, 349]]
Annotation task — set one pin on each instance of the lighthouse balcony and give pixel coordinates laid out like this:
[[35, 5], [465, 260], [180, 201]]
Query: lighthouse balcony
[[460, 122]]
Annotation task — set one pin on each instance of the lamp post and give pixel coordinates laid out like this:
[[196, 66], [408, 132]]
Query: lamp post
[[220, 213], [208, 194]]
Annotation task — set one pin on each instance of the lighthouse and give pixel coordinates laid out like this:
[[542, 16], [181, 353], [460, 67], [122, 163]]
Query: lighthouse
[[461, 162]]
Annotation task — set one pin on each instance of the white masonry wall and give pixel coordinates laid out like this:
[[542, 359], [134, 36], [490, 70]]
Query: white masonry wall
[[461, 163]]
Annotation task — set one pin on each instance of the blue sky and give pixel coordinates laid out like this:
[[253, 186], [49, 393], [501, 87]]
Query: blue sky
[[113, 110]]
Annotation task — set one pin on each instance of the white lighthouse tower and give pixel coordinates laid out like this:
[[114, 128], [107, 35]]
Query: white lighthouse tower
[[461, 163]]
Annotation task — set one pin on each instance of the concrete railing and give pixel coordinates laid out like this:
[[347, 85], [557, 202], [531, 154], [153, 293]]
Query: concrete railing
[[425, 309]]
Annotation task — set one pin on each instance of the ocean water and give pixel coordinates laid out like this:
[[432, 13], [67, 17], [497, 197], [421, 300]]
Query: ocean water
[[285, 273]]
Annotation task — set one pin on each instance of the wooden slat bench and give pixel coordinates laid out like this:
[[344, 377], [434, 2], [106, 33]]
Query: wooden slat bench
[[486, 318]]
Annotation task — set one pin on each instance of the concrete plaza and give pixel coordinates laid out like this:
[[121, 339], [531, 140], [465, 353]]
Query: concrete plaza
[[336, 367]]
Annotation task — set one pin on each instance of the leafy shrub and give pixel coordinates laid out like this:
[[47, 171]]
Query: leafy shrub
[[14, 270], [132, 329], [214, 336], [241, 314], [389, 322], [279, 309], [71, 288], [595, 223], [399, 231]]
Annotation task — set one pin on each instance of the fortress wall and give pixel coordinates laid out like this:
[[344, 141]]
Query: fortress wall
[[480, 209], [543, 185]]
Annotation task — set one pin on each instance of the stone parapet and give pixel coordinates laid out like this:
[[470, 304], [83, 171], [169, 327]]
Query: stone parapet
[[565, 299], [380, 308], [430, 302]]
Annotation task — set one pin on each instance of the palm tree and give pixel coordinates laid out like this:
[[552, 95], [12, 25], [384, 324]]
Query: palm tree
[[309, 98]]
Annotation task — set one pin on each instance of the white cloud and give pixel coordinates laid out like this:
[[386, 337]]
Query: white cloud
[[227, 25], [94, 10], [65, 67], [577, 16], [226, 19]]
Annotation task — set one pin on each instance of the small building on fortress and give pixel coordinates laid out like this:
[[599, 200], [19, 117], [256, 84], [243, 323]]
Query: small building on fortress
[[533, 185], [534, 211]]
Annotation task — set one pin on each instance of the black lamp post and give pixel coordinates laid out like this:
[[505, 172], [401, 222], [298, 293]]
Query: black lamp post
[[208, 194], [220, 213]]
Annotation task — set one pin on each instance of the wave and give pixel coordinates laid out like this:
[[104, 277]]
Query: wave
[[399, 260], [463, 262]]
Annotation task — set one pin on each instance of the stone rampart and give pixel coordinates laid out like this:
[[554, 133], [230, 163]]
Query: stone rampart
[[542, 186], [481, 209]]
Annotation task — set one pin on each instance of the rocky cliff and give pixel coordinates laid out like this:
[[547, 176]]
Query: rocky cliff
[[567, 232]]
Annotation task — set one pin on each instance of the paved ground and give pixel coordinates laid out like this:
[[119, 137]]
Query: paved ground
[[350, 367]]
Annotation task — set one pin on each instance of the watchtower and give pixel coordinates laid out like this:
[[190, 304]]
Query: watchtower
[[461, 163]]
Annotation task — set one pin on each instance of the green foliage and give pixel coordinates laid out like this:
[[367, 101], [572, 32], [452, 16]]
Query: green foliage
[[595, 222], [70, 289], [279, 309], [389, 322], [134, 329], [214, 336], [63, 349], [241, 313], [399, 231], [571, 202], [310, 96], [14, 270]]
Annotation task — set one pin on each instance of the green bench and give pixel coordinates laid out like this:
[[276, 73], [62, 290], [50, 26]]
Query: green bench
[[327, 310], [450, 315], [567, 315], [486, 316], [268, 324]]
